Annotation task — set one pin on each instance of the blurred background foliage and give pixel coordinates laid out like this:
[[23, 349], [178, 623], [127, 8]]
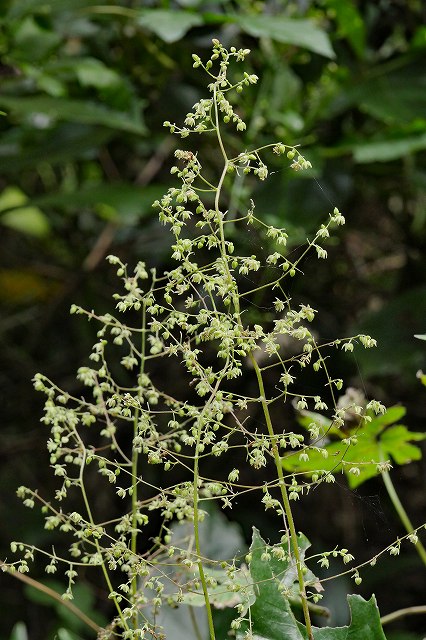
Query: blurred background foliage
[[85, 88]]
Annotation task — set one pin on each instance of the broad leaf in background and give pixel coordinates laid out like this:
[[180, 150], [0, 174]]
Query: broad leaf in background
[[219, 539], [125, 202], [350, 23], [46, 110], [170, 26], [389, 148], [300, 33], [18, 214]]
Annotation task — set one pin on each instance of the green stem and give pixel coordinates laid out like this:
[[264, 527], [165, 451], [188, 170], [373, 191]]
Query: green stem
[[52, 594], [285, 499], [135, 460], [96, 541], [401, 613], [197, 540], [277, 459], [402, 514]]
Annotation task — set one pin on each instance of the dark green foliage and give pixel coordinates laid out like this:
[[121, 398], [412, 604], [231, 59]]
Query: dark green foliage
[[83, 155]]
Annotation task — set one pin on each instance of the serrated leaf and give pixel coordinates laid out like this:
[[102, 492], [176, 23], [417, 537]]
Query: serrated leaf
[[364, 625], [301, 33], [396, 442], [271, 615], [378, 439]]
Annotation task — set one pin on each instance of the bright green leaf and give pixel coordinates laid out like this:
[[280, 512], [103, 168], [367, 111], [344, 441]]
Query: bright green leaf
[[271, 614], [396, 442], [381, 438], [306, 418], [420, 337], [364, 625]]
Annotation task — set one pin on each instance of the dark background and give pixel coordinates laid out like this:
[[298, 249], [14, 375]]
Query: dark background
[[83, 154]]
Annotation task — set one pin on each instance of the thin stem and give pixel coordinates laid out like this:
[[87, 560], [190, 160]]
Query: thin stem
[[198, 634], [277, 459], [197, 538], [96, 542], [402, 514], [52, 594], [285, 498], [401, 613], [135, 460]]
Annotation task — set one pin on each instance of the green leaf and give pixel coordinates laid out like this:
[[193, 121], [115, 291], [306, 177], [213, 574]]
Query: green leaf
[[271, 615], [306, 418], [19, 9], [94, 73], [393, 96], [396, 443], [317, 462], [381, 438], [54, 108], [350, 23], [388, 149], [33, 42], [421, 337], [124, 201], [26, 219], [301, 33], [364, 625], [170, 26], [65, 142]]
